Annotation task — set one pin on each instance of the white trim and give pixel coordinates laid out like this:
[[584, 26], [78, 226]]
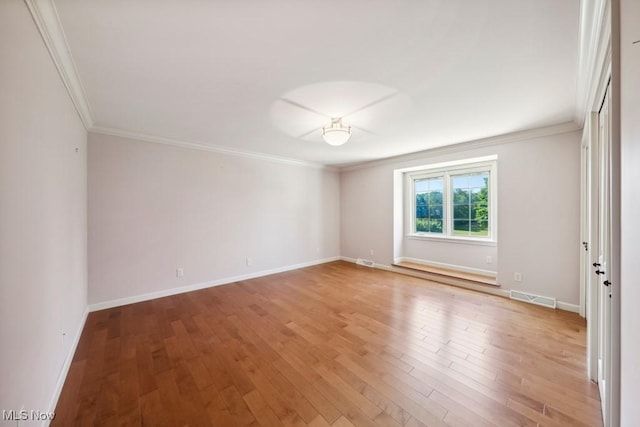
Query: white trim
[[574, 308], [487, 273], [584, 217], [453, 239], [469, 145], [594, 78], [203, 285], [64, 371], [46, 18], [446, 171], [206, 147], [487, 289], [602, 87], [594, 35], [452, 165], [591, 290]]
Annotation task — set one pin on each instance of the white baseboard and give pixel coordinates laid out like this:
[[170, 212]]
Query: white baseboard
[[487, 290], [568, 307], [481, 272], [203, 285], [448, 281], [64, 371]]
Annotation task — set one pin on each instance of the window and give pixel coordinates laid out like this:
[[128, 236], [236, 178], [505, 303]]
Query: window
[[456, 202], [429, 207], [470, 194]]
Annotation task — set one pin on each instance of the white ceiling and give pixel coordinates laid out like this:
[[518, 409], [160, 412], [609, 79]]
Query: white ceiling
[[235, 73]]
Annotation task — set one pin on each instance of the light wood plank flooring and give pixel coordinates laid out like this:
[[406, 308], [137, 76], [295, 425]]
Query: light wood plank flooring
[[335, 344]]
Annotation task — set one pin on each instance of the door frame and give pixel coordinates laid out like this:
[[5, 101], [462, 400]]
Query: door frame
[[589, 216], [589, 286], [589, 235], [604, 261]]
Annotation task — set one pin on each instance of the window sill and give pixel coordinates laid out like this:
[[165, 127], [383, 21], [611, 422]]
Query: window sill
[[452, 239]]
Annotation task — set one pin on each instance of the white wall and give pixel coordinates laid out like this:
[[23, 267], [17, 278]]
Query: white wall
[[42, 216], [154, 208], [538, 215], [630, 207]]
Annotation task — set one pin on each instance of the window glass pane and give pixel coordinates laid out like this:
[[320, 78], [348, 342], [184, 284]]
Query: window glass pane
[[421, 185], [435, 226], [461, 212], [435, 211], [460, 196], [478, 179], [476, 194], [481, 212], [460, 181], [461, 227], [421, 205], [436, 184], [479, 228], [470, 193], [429, 205]]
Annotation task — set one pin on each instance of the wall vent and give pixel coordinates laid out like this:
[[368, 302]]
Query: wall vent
[[365, 262], [533, 299]]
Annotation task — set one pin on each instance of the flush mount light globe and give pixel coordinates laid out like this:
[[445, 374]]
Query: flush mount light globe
[[336, 133]]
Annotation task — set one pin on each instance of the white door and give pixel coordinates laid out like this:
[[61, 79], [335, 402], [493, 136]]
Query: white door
[[604, 256], [589, 232]]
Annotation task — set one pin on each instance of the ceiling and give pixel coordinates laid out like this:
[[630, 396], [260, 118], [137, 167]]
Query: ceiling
[[262, 76]]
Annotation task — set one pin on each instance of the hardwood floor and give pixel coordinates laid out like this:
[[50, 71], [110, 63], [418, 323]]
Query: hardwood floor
[[446, 272], [335, 344]]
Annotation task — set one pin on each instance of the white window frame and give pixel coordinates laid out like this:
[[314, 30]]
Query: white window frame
[[446, 171]]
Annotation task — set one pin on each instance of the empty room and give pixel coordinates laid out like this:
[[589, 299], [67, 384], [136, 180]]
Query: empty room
[[357, 213]]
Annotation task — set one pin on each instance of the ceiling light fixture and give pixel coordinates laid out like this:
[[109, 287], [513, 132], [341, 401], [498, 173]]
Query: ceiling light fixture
[[336, 133]]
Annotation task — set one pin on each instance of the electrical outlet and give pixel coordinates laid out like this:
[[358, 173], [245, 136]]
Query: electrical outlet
[[179, 272], [249, 261], [517, 277], [489, 260]]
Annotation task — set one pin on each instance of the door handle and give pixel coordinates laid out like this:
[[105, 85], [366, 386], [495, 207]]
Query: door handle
[[596, 264], [606, 283], [599, 272]]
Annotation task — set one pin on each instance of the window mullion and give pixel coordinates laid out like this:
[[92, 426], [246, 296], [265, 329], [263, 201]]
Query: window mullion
[[449, 203]]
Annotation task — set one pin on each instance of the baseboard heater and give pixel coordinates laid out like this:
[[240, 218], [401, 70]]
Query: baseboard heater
[[365, 262], [533, 299]]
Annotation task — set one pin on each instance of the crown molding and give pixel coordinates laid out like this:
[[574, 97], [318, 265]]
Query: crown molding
[[471, 145], [206, 147], [593, 53], [45, 15], [594, 40]]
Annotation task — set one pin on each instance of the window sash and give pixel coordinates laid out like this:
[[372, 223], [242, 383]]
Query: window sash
[[429, 214], [448, 228]]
